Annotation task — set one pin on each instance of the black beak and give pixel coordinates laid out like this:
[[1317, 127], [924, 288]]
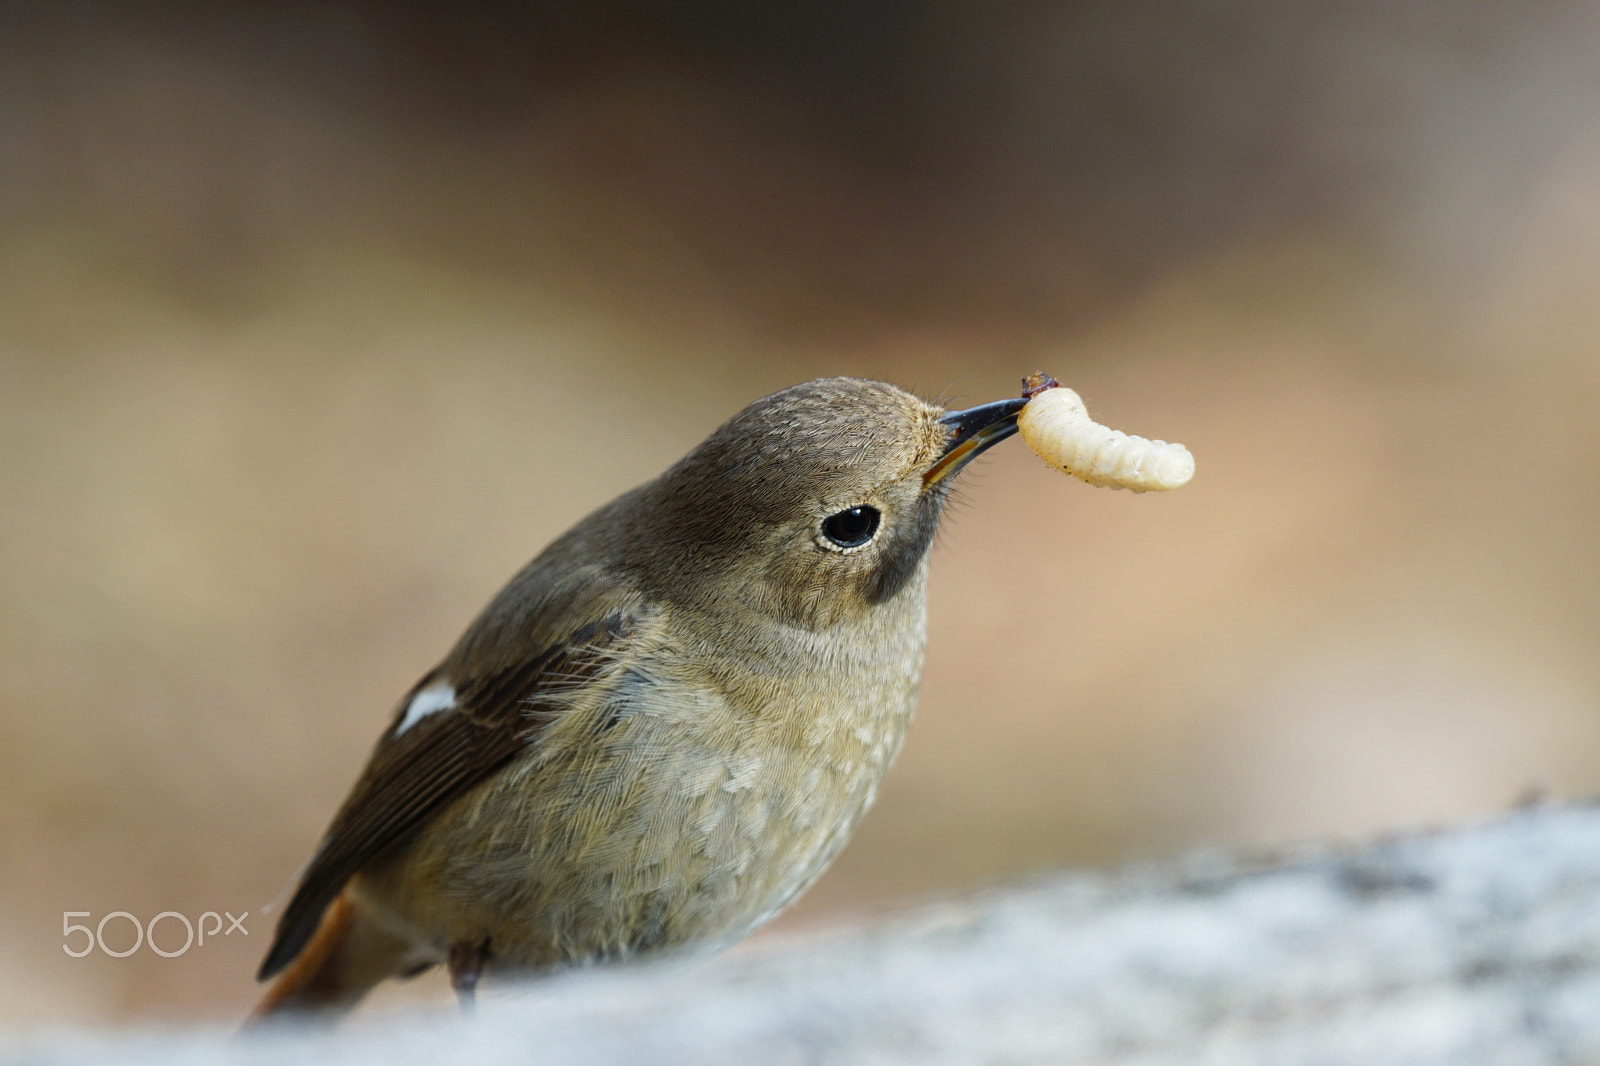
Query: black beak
[[971, 432]]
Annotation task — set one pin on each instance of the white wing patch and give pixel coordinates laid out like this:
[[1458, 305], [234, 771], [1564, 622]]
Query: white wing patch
[[439, 696], [1057, 426]]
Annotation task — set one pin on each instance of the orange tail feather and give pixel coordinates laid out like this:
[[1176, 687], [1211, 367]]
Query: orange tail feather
[[341, 963]]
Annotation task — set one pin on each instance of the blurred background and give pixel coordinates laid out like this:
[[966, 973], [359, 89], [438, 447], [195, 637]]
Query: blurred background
[[318, 320]]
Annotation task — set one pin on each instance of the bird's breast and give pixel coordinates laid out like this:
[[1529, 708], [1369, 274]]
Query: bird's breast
[[681, 798]]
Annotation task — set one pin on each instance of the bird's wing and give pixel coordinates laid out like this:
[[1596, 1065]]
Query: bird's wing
[[502, 675]]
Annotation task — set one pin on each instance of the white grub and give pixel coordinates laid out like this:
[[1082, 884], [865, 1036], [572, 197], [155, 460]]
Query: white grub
[[1057, 426]]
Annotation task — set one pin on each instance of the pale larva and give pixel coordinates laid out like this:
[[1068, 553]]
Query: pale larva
[[1057, 426]]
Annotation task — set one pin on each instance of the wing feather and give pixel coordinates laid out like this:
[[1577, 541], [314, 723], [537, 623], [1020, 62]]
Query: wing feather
[[415, 772]]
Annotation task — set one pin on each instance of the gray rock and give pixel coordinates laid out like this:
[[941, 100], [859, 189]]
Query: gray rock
[[1476, 945]]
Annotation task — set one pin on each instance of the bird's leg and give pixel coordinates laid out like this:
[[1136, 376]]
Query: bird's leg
[[465, 963]]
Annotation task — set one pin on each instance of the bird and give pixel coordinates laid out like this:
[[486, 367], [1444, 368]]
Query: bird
[[663, 728]]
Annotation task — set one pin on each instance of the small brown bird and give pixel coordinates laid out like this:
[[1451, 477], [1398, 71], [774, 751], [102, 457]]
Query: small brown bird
[[665, 727]]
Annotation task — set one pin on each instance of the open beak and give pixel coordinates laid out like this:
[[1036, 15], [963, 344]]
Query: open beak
[[971, 432]]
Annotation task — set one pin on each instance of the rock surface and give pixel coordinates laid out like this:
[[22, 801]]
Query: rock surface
[[1479, 944]]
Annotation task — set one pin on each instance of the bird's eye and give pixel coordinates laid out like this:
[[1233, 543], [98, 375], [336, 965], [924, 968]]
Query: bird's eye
[[851, 528]]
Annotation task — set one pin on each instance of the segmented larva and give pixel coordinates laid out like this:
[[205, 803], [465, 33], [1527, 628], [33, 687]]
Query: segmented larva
[[1057, 426]]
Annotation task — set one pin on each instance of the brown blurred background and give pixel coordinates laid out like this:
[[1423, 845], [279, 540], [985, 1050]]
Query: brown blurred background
[[318, 320]]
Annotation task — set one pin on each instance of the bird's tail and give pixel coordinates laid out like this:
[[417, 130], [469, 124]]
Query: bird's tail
[[343, 960]]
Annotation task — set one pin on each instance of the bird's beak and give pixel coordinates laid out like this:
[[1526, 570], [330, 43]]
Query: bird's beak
[[972, 431]]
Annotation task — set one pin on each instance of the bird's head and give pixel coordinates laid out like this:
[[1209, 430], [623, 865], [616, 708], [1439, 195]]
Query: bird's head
[[814, 505]]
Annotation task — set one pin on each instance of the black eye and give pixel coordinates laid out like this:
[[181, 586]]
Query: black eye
[[852, 528]]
